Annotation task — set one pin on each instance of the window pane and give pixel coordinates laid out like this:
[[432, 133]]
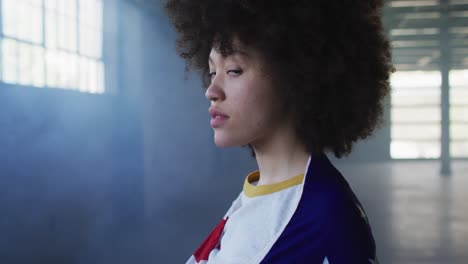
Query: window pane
[[51, 4], [415, 79], [459, 87], [459, 113], [61, 32], [37, 3], [88, 73], [408, 97], [1, 59], [51, 30], [62, 69], [67, 8], [415, 132], [91, 76], [459, 131], [24, 23], [459, 96], [100, 78], [91, 14], [66, 33], [90, 42], [10, 17], [72, 33], [62, 7], [35, 14], [416, 114], [22, 63], [459, 78], [60, 65], [31, 65], [459, 149], [22, 20], [9, 61], [414, 149]]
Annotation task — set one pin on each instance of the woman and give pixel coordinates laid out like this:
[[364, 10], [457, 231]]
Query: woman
[[291, 80]]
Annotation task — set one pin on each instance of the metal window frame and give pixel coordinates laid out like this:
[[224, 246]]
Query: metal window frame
[[445, 21], [43, 43]]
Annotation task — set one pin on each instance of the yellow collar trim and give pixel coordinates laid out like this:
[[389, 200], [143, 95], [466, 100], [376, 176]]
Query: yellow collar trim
[[251, 190]]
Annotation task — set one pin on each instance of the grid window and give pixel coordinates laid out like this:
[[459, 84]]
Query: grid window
[[66, 53], [428, 37], [22, 20], [22, 63], [415, 115], [459, 113]]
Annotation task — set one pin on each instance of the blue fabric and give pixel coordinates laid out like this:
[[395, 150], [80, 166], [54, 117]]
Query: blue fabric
[[328, 223]]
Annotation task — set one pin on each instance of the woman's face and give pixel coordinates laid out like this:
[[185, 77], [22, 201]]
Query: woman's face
[[241, 91]]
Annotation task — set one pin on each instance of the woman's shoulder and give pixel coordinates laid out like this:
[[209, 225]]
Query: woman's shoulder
[[325, 184], [328, 202], [328, 198], [329, 224]]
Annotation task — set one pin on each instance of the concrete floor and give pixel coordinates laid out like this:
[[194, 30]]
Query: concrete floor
[[417, 216]]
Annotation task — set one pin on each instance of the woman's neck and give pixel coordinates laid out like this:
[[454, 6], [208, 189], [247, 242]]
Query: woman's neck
[[280, 156]]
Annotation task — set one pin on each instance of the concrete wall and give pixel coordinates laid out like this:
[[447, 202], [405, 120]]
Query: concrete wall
[[70, 175], [72, 167]]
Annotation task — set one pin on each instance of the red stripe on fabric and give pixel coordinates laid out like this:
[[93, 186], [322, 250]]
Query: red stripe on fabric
[[210, 242]]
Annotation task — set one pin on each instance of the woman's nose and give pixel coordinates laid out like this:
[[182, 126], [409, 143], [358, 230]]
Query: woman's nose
[[215, 91]]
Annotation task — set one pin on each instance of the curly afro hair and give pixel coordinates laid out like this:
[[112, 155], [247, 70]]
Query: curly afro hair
[[330, 59]]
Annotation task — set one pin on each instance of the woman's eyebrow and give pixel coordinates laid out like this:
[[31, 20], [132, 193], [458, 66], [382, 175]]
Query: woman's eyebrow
[[236, 54], [239, 54]]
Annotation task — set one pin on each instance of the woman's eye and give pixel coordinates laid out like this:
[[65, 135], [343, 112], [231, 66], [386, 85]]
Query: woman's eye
[[237, 72], [211, 74]]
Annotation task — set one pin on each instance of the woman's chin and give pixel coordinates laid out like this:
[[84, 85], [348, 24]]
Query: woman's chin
[[223, 142]]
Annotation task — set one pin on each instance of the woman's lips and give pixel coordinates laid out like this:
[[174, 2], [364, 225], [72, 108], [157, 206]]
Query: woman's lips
[[217, 117], [218, 121]]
